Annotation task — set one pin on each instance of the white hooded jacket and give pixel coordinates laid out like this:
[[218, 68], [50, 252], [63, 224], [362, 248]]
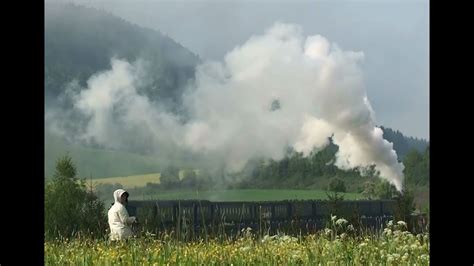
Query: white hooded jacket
[[119, 221]]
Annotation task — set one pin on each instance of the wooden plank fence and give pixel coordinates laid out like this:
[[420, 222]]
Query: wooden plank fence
[[309, 213]]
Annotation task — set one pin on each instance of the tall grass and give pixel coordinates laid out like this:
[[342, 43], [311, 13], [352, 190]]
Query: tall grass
[[340, 244]]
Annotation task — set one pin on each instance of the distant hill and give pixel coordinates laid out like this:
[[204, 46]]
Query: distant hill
[[101, 163], [80, 41], [96, 162], [402, 144], [107, 163]]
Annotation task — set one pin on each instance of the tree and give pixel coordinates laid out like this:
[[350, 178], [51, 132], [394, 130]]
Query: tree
[[69, 207], [405, 205], [369, 190], [189, 179], [417, 167], [425, 165], [335, 200], [337, 185], [169, 177], [385, 190], [65, 168]]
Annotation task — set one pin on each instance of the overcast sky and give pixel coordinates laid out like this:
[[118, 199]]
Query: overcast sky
[[394, 36]]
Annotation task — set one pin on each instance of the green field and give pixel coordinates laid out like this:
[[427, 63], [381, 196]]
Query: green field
[[242, 195], [100, 163], [130, 181], [97, 163]]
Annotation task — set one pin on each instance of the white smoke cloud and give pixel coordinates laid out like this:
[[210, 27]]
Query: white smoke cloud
[[319, 87]]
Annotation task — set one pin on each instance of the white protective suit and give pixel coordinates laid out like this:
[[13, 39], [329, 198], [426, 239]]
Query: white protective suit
[[119, 221]]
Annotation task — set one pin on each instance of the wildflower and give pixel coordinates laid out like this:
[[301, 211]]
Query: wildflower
[[149, 234], [327, 231], [341, 221], [296, 254], [267, 238], [245, 248], [401, 223], [405, 257], [387, 231]]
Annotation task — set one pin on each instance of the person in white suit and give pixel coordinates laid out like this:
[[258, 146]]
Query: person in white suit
[[119, 220]]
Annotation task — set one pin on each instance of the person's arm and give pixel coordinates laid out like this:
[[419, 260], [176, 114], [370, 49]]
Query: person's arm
[[123, 214]]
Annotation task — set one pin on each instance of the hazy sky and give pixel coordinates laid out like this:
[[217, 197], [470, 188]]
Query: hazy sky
[[394, 36]]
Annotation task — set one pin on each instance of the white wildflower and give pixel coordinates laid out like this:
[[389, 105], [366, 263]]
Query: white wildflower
[[246, 248], [387, 231], [402, 223], [268, 238], [327, 231], [405, 256]]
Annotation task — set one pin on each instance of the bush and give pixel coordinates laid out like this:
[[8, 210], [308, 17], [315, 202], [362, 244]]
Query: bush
[[385, 190], [337, 185], [369, 190], [70, 208]]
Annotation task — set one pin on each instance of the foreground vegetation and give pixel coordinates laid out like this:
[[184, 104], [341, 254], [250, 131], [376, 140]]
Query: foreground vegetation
[[75, 233], [337, 245]]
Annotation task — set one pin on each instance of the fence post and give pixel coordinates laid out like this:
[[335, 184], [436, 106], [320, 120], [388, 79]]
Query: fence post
[[211, 206], [381, 208], [289, 210], [195, 217], [175, 212], [155, 210]]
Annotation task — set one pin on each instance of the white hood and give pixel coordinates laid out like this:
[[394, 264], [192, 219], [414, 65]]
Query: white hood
[[118, 193]]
